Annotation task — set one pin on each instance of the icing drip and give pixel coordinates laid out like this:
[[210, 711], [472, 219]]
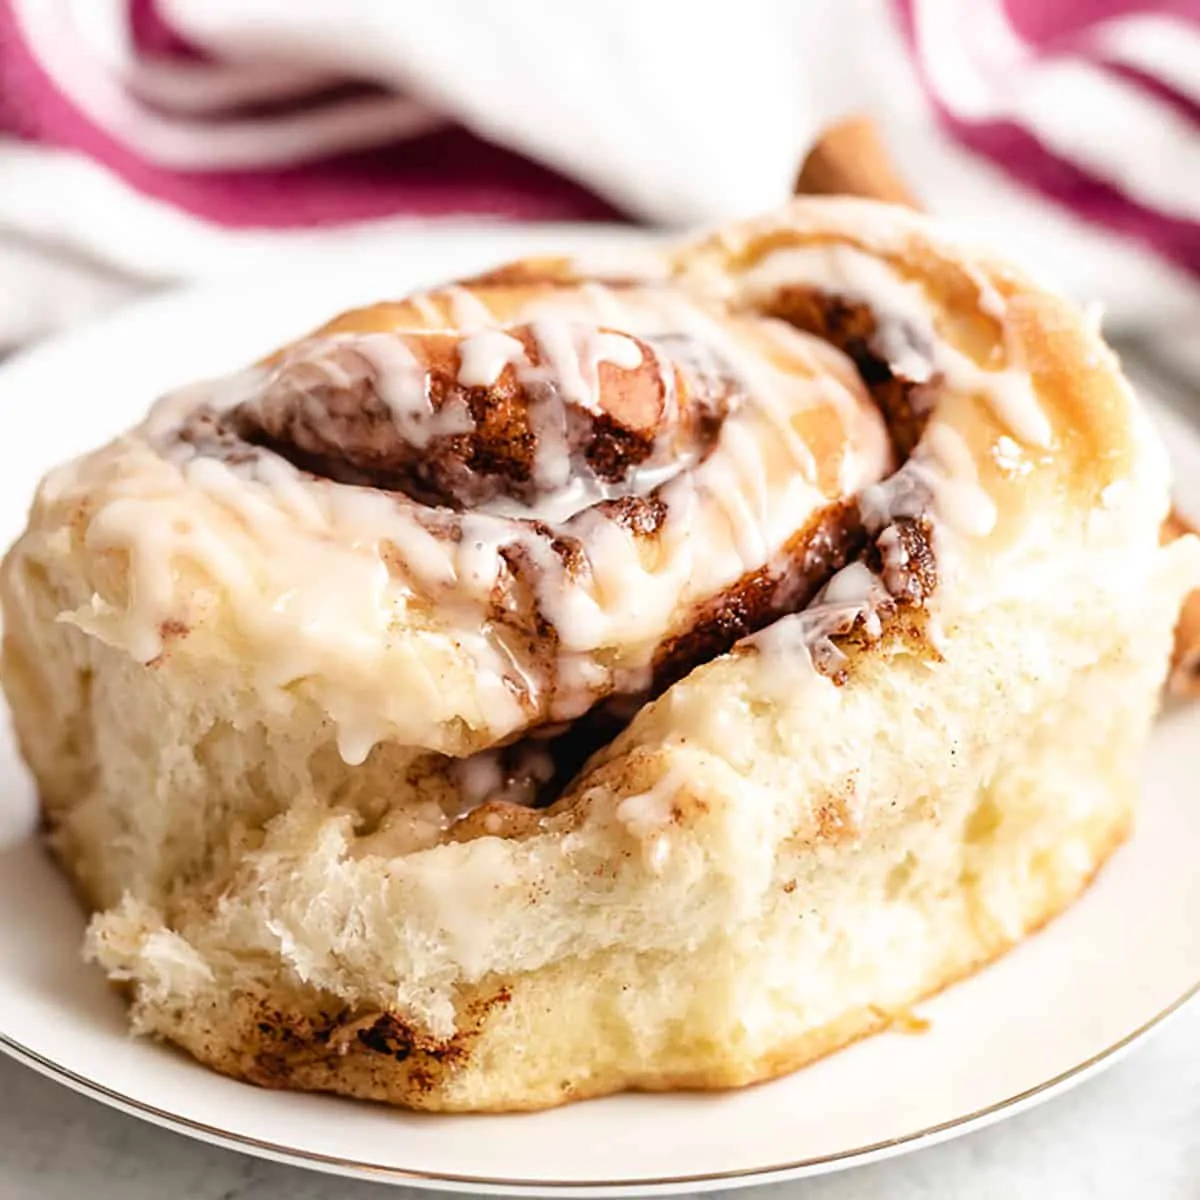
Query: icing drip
[[959, 499], [774, 391], [548, 602], [483, 357], [399, 380], [567, 359], [941, 472], [571, 357], [894, 557], [552, 452], [512, 775], [844, 271], [648, 817], [343, 361], [568, 372], [467, 311], [431, 314], [989, 298], [853, 599], [609, 307], [556, 508]]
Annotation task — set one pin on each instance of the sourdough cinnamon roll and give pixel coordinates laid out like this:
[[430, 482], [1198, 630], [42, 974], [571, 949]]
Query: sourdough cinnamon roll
[[563, 681]]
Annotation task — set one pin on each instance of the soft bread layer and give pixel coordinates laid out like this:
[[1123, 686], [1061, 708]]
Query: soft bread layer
[[646, 1022], [199, 560], [761, 865], [824, 854]]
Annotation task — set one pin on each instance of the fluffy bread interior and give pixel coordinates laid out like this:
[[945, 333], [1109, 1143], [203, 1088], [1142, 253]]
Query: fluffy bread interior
[[764, 866]]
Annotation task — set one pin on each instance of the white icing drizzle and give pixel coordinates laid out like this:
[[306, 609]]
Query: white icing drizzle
[[488, 776], [580, 492], [305, 585], [774, 391], [467, 311], [346, 584], [893, 552], [341, 360], [941, 470], [720, 480], [905, 360], [797, 645], [571, 355], [988, 296], [853, 587], [168, 412], [648, 817], [959, 499], [431, 314], [608, 306], [737, 483], [399, 379], [848, 272], [483, 356]]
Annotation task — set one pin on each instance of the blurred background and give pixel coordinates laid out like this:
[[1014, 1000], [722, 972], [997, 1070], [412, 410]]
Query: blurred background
[[151, 142]]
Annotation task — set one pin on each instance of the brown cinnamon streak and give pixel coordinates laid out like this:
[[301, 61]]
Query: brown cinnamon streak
[[811, 556], [852, 328], [850, 159], [343, 429], [456, 447]]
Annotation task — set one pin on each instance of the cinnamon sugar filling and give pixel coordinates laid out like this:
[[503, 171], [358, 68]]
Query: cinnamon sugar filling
[[542, 423]]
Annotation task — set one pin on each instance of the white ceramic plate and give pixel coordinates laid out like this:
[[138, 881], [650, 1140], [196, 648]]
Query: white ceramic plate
[[1057, 1009]]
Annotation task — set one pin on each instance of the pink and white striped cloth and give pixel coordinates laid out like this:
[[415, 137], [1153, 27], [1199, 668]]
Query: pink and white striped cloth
[[144, 141]]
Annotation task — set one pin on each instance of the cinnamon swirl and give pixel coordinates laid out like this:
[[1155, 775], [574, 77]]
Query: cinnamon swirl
[[570, 680]]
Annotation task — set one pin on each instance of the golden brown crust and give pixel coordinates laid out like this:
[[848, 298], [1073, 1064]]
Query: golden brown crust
[[851, 159], [1184, 679], [1083, 399]]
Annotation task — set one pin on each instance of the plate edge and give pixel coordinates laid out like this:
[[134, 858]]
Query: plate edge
[[659, 1185]]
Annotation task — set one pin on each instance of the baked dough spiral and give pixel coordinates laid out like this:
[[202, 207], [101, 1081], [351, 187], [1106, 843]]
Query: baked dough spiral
[[572, 680], [570, 511]]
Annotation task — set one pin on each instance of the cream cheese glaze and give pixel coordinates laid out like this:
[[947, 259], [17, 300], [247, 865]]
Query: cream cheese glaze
[[319, 574], [572, 583], [905, 316]]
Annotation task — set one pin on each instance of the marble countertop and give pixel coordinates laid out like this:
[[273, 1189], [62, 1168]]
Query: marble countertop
[[1132, 1131]]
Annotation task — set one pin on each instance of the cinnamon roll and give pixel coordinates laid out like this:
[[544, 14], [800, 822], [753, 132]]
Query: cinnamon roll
[[590, 677]]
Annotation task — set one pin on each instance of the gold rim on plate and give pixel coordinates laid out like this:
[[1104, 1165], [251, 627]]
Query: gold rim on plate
[[331, 1164]]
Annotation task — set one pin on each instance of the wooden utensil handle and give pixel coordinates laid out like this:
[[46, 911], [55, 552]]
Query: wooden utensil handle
[[850, 159]]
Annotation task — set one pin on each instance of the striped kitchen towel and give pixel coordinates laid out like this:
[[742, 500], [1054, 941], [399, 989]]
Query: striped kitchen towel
[[144, 141]]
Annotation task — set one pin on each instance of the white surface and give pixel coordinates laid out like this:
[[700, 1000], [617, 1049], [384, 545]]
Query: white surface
[[1125, 953]]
